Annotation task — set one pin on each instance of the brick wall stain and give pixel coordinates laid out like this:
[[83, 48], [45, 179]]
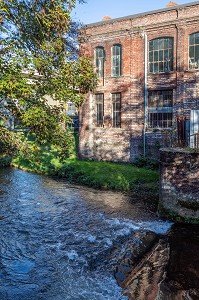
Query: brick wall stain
[[123, 144]]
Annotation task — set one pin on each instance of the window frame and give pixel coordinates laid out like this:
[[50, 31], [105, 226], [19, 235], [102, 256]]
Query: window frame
[[99, 102], [160, 110], [116, 112], [192, 63], [116, 67], [161, 55], [99, 61]]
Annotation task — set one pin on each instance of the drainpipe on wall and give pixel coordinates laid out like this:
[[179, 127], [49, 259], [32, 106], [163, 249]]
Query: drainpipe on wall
[[145, 89], [91, 124]]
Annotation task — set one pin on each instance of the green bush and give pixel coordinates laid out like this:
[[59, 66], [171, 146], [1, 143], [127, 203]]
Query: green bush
[[146, 162], [5, 160]]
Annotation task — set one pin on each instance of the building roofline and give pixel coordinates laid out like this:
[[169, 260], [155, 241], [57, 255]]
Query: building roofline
[[141, 14]]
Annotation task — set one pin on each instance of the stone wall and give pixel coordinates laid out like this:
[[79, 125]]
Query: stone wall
[[179, 184]]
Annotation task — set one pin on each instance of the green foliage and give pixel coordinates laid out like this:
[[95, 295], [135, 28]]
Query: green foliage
[[10, 142], [5, 160], [147, 162], [48, 126], [36, 158], [39, 57]]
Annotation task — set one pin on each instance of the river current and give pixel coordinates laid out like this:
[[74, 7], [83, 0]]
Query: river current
[[56, 239]]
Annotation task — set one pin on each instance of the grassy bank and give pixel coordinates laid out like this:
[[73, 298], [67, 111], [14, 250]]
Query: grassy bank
[[97, 174]]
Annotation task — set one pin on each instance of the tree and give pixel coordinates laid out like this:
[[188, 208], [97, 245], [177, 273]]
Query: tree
[[39, 56]]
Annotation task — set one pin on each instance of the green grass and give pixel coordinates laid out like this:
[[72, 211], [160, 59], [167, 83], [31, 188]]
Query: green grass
[[97, 174], [107, 175]]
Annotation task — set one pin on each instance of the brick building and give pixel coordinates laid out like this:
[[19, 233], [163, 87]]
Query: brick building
[[148, 89]]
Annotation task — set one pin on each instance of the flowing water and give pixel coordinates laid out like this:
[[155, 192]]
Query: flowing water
[[56, 239]]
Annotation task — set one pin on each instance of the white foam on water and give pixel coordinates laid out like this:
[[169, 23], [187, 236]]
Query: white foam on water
[[126, 227], [72, 255], [91, 238], [159, 226]]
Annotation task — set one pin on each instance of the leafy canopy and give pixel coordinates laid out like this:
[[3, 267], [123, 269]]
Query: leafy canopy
[[38, 57]]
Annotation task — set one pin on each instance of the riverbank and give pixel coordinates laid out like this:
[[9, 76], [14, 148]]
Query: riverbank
[[96, 174]]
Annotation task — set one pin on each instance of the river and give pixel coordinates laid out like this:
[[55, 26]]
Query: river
[[60, 241]]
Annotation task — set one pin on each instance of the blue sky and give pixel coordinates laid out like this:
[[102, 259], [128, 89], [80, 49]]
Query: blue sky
[[94, 10]]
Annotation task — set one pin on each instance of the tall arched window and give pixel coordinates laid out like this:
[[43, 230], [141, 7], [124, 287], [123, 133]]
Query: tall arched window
[[116, 56], [161, 55], [194, 51], [99, 61]]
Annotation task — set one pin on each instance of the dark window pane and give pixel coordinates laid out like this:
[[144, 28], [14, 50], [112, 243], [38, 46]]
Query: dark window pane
[[166, 43], [171, 65], [160, 44], [116, 107], [155, 44], [160, 55], [191, 52], [151, 56], [99, 109], [150, 45], [156, 67], [161, 67], [155, 55], [151, 68], [166, 55], [170, 43], [197, 53], [192, 39], [197, 38]]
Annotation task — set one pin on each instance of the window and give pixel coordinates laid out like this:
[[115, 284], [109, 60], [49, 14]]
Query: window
[[116, 60], [71, 109], [194, 51], [116, 108], [160, 108], [99, 98], [161, 55], [99, 61]]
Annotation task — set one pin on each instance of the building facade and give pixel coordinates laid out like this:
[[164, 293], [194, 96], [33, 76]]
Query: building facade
[[148, 84]]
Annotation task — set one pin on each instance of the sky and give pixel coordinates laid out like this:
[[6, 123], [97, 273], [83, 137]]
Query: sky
[[94, 10]]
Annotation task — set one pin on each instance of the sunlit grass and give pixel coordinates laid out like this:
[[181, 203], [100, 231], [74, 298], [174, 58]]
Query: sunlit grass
[[98, 174]]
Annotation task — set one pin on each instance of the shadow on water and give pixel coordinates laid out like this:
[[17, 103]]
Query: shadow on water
[[170, 270], [182, 278]]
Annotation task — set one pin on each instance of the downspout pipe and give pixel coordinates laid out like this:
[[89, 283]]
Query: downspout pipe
[[145, 90]]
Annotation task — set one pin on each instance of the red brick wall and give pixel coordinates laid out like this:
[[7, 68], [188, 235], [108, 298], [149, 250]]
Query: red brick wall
[[178, 22]]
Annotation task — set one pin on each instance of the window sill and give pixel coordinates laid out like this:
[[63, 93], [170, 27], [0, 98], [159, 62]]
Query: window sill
[[116, 76], [158, 130], [192, 70], [161, 73]]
